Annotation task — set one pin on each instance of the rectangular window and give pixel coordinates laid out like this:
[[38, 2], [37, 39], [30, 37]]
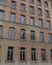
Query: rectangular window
[[45, 4], [22, 34], [22, 20], [41, 36], [47, 13], [39, 12], [48, 24], [22, 54], [23, 7], [51, 5], [10, 54], [43, 55], [12, 17], [31, 1], [40, 23], [32, 35], [51, 54], [31, 9], [32, 21], [1, 15], [2, 2], [11, 33], [13, 5], [50, 38], [1, 31], [33, 54], [39, 2]]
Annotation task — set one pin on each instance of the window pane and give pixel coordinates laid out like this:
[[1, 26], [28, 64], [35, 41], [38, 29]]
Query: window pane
[[11, 33], [50, 38], [43, 54], [32, 21], [22, 34], [39, 12], [32, 35], [41, 36], [12, 17], [2, 15], [40, 23], [10, 53], [1, 31], [31, 1], [13, 4], [46, 4], [47, 13], [39, 2], [2, 2], [48, 24], [23, 7], [22, 19], [22, 54], [51, 54], [31, 9], [33, 54]]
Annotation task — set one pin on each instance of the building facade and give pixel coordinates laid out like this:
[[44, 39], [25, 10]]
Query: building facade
[[25, 32]]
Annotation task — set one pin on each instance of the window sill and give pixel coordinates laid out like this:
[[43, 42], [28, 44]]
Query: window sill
[[32, 13], [3, 5], [9, 61], [22, 61], [13, 8], [23, 10], [22, 39], [39, 4], [34, 61], [32, 40], [44, 61]]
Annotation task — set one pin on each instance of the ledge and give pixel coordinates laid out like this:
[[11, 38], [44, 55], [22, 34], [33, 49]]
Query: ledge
[[24, 24], [7, 61]]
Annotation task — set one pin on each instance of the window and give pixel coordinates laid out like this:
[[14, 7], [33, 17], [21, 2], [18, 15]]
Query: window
[[1, 15], [12, 17], [32, 35], [51, 54], [2, 2], [11, 33], [50, 38], [31, 10], [39, 11], [47, 13], [31, 1], [48, 24], [22, 54], [22, 19], [1, 31], [10, 54], [22, 34], [41, 36], [46, 4], [23, 7], [51, 5], [32, 21], [13, 5], [43, 55], [33, 54], [40, 23], [39, 2]]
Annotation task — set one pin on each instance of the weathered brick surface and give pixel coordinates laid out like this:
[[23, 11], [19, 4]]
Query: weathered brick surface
[[28, 44]]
